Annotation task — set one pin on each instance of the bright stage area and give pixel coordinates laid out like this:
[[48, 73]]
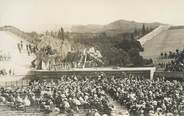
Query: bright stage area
[[18, 63]]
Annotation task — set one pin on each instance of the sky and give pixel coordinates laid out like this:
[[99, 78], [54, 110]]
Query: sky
[[40, 15]]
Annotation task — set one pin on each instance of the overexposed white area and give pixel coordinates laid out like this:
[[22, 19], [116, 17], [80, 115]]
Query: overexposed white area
[[153, 33], [20, 63]]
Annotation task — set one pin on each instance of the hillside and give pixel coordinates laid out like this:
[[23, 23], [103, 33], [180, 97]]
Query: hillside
[[32, 37], [86, 28], [119, 26], [112, 29], [168, 40], [19, 61], [121, 43]]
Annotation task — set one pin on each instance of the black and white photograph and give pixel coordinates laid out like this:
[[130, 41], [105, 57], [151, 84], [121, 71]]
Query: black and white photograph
[[91, 58]]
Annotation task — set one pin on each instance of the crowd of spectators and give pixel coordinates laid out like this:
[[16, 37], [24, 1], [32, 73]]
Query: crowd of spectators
[[67, 95], [172, 66], [70, 94], [148, 97], [175, 64]]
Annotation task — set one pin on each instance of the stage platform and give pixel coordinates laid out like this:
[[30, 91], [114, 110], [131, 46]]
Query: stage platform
[[46, 74]]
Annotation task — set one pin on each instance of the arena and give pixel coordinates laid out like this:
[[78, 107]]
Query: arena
[[75, 58], [82, 91]]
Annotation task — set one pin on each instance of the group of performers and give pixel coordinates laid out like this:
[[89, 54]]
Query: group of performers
[[7, 72], [30, 49]]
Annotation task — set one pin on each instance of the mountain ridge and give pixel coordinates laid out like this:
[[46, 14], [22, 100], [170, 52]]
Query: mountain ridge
[[118, 26]]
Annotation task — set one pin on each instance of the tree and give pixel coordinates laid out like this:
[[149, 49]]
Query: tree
[[61, 34], [127, 44], [121, 59], [148, 30], [170, 54], [165, 55], [143, 30], [135, 58], [132, 36], [135, 32]]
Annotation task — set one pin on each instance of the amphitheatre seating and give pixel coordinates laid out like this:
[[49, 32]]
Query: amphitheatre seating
[[19, 113], [4, 108], [30, 111], [115, 88]]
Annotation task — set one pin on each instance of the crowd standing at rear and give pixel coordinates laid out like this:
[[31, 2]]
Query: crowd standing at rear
[[30, 49], [175, 63]]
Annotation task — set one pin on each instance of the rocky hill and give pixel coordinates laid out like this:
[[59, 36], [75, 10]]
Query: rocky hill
[[32, 37]]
